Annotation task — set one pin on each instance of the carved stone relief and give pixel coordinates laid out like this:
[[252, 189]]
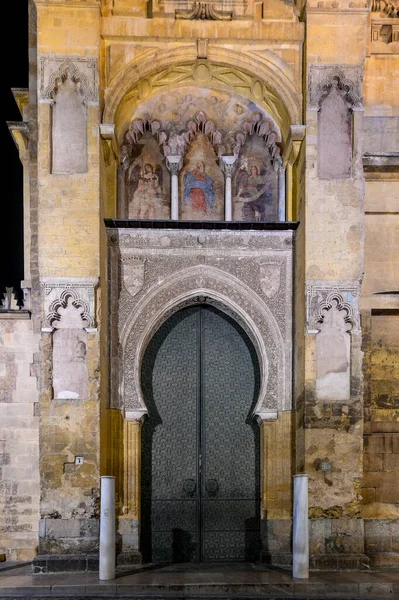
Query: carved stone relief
[[320, 295], [204, 11], [68, 312], [348, 79], [58, 292], [333, 314], [187, 267], [53, 69], [390, 9]]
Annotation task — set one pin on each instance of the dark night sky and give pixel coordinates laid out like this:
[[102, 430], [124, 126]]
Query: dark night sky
[[15, 74]]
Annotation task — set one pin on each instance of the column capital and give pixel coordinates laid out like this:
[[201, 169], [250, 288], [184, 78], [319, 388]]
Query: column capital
[[228, 164], [135, 415], [174, 163]]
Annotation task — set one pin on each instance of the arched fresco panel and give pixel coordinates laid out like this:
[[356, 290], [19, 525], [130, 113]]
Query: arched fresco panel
[[201, 183], [255, 185], [148, 182]]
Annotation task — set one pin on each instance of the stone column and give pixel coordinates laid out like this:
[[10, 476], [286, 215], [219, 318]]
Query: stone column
[[174, 164], [276, 486], [132, 467], [281, 193], [228, 163], [129, 522]]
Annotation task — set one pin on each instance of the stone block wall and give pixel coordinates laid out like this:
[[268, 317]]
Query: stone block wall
[[19, 438]]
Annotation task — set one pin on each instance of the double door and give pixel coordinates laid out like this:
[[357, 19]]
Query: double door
[[200, 446]]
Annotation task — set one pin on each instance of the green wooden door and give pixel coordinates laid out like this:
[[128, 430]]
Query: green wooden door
[[200, 447]]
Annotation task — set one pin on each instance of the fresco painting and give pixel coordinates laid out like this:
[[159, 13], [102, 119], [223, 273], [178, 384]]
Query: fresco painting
[[201, 183], [148, 183], [226, 109], [255, 184]]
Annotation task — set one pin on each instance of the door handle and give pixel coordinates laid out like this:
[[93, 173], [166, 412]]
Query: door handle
[[212, 487], [189, 486]]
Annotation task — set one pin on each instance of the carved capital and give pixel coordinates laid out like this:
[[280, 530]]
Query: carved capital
[[174, 163], [228, 164]]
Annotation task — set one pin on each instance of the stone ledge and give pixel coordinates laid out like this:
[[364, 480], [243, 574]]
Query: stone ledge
[[65, 563], [339, 562], [380, 161], [15, 314]]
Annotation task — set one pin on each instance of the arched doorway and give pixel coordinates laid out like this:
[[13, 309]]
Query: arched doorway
[[200, 447]]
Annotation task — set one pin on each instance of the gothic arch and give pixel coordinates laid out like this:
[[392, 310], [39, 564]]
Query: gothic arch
[[261, 80], [211, 285]]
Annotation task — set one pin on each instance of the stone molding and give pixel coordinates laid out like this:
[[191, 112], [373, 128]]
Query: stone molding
[[82, 69], [322, 77], [225, 68], [184, 268], [320, 296], [56, 292]]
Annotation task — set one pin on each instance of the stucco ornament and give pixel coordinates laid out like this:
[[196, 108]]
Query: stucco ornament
[[270, 279]]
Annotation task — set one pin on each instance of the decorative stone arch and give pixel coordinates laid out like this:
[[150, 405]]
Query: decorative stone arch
[[262, 80], [227, 293], [69, 68]]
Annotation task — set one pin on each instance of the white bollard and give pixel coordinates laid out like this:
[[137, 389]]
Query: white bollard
[[300, 542], [107, 529]]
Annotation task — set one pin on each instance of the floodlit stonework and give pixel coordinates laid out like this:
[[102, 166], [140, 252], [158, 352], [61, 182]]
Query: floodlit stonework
[[240, 158]]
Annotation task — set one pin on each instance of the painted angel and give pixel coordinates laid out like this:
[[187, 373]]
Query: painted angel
[[252, 191]]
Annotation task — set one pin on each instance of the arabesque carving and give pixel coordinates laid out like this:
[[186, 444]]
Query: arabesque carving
[[347, 79], [81, 70], [61, 292], [175, 278], [173, 143], [69, 298], [322, 296], [204, 11]]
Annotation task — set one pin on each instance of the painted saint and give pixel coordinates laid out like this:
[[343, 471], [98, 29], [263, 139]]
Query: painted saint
[[199, 192], [252, 191], [146, 190]]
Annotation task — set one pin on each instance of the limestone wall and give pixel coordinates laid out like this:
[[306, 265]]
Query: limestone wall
[[19, 438]]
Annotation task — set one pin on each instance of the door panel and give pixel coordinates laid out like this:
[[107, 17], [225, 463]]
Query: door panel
[[200, 449], [170, 519], [228, 440]]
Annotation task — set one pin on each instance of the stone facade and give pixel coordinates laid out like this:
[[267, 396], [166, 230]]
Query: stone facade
[[203, 108]]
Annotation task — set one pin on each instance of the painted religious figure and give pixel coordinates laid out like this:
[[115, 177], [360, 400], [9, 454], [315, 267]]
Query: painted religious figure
[[253, 193], [146, 190], [255, 184], [198, 189]]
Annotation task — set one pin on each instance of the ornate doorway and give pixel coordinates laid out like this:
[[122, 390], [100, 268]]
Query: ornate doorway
[[200, 446]]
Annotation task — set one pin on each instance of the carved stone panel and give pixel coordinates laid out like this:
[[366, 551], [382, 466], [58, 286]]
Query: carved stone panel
[[333, 355], [187, 267], [58, 293], [83, 69], [70, 378], [320, 295]]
